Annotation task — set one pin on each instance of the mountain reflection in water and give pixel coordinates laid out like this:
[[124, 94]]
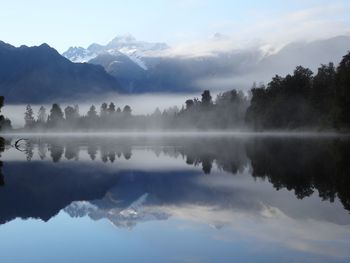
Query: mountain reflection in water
[[296, 188]]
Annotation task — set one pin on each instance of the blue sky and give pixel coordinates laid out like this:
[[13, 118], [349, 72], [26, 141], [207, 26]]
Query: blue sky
[[79, 23]]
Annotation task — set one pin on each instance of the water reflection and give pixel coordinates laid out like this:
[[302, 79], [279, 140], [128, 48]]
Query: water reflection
[[228, 183]]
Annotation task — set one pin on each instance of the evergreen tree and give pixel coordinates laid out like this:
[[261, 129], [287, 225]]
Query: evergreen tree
[[127, 110], [206, 98], [92, 114], [323, 94], [343, 91], [5, 124], [103, 110], [56, 114], [70, 113], [111, 108], [29, 117], [189, 104], [42, 116]]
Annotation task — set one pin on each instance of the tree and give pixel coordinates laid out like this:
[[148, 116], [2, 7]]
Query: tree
[[4, 122], [111, 108], [127, 110], [343, 91], [285, 103], [70, 113], [206, 98], [29, 117], [42, 116], [56, 114], [323, 93], [104, 110], [301, 81], [189, 104], [92, 114]]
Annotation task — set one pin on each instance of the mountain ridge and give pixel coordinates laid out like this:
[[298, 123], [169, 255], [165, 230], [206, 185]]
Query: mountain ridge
[[41, 74]]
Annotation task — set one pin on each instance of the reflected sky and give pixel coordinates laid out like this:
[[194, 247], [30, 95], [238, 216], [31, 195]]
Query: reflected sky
[[175, 199]]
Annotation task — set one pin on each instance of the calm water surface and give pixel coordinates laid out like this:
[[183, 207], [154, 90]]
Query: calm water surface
[[175, 199]]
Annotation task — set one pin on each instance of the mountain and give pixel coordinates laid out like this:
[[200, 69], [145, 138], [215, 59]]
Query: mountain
[[136, 65], [40, 74], [127, 45], [128, 73]]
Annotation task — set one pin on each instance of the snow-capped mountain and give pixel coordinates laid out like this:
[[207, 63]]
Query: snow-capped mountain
[[79, 54], [122, 217], [127, 45], [142, 67]]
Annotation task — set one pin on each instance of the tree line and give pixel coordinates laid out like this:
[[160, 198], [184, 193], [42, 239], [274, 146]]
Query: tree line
[[304, 100], [301, 100], [70, 116], [227, 110]]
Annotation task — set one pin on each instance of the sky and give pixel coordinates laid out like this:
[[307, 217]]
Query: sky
[[181, 23]]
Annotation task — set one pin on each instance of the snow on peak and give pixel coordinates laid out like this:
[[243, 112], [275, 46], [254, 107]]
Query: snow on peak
[[79, 54], [125, 44]]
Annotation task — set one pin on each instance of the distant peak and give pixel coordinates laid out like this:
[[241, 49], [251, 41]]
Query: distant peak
[[45, 45], [5, 45]]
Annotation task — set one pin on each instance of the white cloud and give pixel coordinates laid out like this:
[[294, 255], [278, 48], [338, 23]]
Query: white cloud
[[271, 32]]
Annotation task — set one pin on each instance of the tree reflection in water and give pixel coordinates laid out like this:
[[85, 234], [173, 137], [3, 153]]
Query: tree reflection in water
[[301, 165]]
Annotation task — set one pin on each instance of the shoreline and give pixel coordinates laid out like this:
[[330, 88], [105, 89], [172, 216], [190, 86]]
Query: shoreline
[[157, 133]]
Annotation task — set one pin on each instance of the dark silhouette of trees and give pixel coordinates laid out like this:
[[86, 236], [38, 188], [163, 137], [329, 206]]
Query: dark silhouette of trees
[[284, 103], [111, 156], [29, 151], [127, 111], [206, 98], [92, 151], [104, 110], [189, 104], [92, 114], [111, 108], [56, 115], [303, 165], [302, 100], [69, 113], [5, 124], [207, 164], [342, 112], [323, 94], [56, 150], [72, 151]]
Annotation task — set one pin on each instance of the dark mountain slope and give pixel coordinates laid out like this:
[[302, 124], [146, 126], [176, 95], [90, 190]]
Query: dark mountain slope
[[41, 74]]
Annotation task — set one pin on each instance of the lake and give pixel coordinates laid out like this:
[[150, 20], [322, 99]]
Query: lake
[[175, 198]]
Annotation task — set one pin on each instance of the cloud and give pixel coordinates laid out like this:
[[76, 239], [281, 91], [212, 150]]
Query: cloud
[[270, 32]]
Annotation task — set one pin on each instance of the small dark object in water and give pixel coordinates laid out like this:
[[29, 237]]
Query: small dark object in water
[[17, 146]]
